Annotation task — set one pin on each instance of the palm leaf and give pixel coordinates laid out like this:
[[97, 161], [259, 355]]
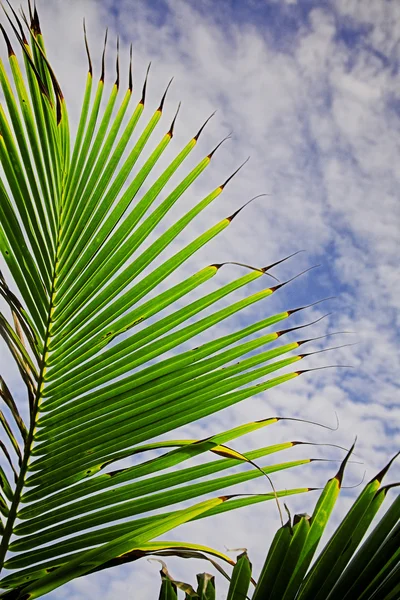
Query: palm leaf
[[74, 229]]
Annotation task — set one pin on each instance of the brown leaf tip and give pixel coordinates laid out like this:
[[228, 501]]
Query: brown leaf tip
[[228, 137], [30, 10], [7, 40], [21, 31], [90, 68], [223, 185], [130, 69], [160, 108], [117, 64], [171, 129], [143, 98], [196, 137], [278, 262], [340, 473], [385, 469], [35, 23], [103, 58], [232, 216], [297, 518]]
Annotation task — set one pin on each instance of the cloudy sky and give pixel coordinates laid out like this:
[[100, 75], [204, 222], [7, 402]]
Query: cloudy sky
[[309, 90]]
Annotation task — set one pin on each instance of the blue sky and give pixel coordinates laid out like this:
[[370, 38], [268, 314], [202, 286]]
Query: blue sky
[[310, 91]]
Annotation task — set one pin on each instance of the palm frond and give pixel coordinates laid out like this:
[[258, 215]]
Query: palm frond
[[88, 338]]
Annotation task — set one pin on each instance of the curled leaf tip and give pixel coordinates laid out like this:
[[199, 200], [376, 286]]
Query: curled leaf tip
[[227, 137], [356, 485], [160, 108], [239, 264], [285, 506], [284, 331], [196, 137], [232, 216], [90, 66], [223, 185], [298, 420], [171, 129], [143, 98], [384, 489]]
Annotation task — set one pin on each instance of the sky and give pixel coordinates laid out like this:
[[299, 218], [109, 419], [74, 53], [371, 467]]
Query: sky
[[310, 92]]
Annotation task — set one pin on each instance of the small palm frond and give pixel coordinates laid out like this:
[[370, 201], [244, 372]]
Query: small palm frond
[[348, 568], [88, 338]]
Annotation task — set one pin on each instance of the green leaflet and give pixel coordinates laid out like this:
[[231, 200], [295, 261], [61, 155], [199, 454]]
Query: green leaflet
[[102, 318], [12, 338], [39, 187], [95, 199], [16, 180], [290, 561], [126, 543], [168, 590], [116, 257], [125, 347], [276, 555], [102, 482], [168, 342], [356, 575], [188, 449], [184, 549], [5, 486], [81, 465], [206, 387], [241, 576], [205, 588], [70, 208], [106, 240], [179, 383], [10, 435], [109, 533], [131, 508], [35, 318], [330, 555], [134, 507]]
